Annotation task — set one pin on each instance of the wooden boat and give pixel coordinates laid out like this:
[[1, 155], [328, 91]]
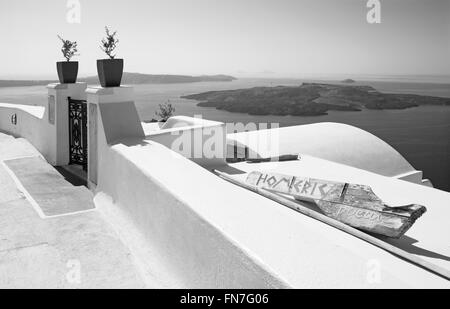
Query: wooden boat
[[287, 201], [353, 204]]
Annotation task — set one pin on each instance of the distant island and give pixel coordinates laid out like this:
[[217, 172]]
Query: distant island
[[309, 99], [130, 79], [348, 81]]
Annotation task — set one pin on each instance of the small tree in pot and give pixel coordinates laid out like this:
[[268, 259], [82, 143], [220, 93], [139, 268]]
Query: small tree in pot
[[110, 70], [68, 70]]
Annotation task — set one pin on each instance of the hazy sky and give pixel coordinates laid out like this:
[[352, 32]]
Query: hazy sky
[[285, 38]]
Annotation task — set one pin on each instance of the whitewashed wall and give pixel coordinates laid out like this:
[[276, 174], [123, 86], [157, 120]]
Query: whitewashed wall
[[32, 124], [45, 127]]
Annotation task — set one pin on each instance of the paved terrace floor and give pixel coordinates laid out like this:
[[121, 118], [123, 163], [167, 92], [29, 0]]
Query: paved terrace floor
[[51, 235]]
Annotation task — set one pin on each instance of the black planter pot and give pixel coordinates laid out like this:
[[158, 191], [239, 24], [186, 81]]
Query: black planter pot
[[110, 72], [67, 71]]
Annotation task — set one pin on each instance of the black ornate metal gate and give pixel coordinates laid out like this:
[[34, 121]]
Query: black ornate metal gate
[[78, 132]]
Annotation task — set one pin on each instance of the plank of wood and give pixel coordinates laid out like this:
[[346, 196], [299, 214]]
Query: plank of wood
[[442, 272], [281, 158], [353, 204]]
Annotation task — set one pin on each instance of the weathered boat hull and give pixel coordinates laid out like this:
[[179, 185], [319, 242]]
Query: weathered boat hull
[[372, 221], [352, 204]]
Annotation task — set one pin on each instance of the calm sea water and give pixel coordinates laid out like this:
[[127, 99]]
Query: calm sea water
[[421, 135]]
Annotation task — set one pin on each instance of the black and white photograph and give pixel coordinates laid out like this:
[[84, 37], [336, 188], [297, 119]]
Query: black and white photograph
[[231, 146]]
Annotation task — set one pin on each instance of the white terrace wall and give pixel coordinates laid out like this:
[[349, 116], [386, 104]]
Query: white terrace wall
[[144, 188], [45, 127], [176, 245], [29, 122]]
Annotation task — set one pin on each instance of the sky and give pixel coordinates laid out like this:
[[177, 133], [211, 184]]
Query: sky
[[254, 38]]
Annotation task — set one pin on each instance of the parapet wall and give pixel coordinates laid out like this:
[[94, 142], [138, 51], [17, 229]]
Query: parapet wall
[[163, 206], [29, 122], [45, 127], [169, 204]]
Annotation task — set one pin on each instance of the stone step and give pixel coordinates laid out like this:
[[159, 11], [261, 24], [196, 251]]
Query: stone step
[[51, 192]]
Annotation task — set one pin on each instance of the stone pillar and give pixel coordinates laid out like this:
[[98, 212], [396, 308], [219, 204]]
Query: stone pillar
[[58, 117], [112, 116]]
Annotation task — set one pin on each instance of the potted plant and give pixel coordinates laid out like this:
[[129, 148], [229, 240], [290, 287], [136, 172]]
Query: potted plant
[[110, 70], [68, 70]]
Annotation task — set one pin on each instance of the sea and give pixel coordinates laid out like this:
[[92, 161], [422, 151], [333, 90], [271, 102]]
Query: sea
[[420, 134]]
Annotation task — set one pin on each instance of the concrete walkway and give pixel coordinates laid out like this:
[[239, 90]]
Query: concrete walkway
[[70, 250]]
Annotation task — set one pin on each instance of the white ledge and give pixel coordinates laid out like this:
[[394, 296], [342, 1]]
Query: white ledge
[[36, 111], [98, 90], [63, 86]]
